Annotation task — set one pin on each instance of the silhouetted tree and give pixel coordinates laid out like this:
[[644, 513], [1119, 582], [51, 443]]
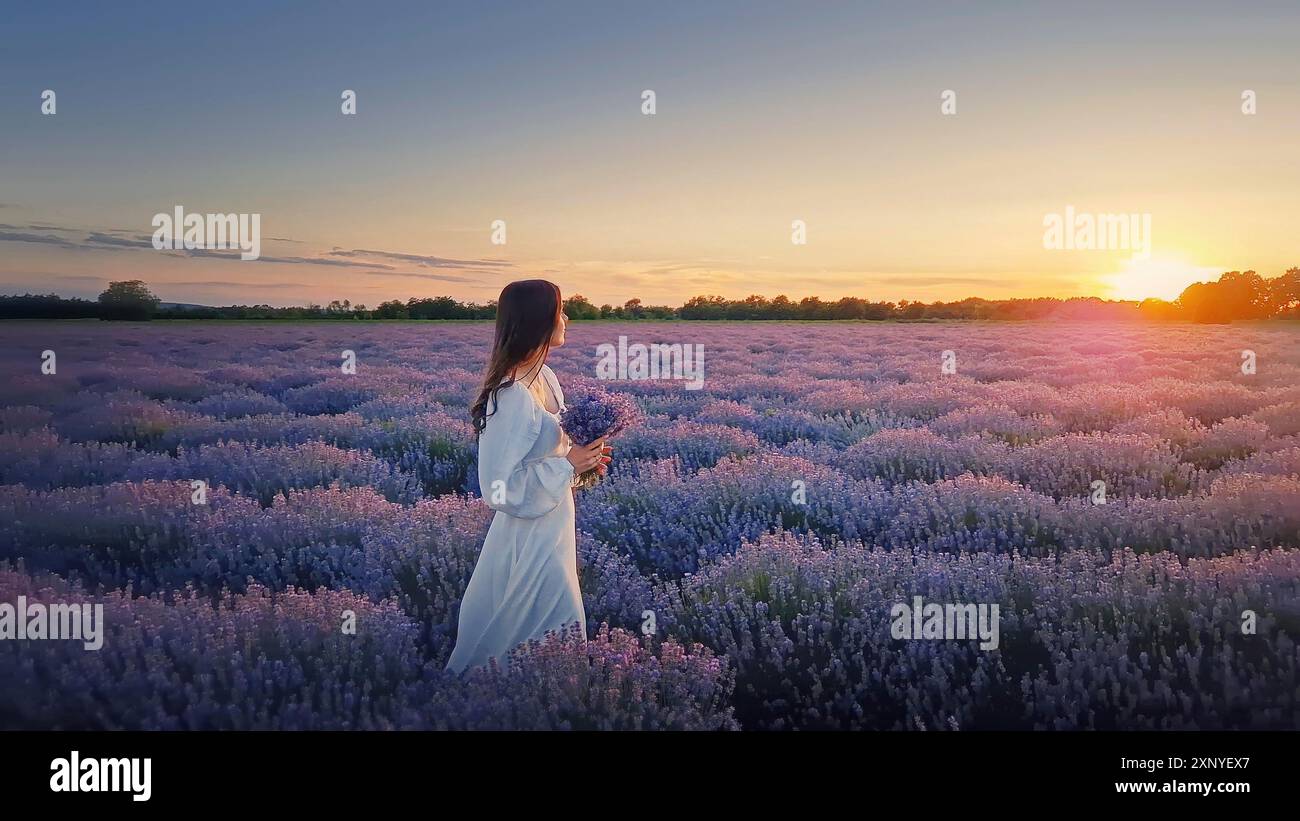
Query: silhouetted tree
[[577, 307], [128, 299], [1158, 309], [46, 306], [1236, 295], [392, 309], [1284, 293]]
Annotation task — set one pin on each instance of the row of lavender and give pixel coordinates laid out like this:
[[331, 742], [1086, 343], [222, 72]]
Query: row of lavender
[[152, 536], [334, 492], [1163, 454], [1089, 640]]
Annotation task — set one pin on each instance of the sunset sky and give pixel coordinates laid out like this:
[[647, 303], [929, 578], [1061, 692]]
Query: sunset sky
[[531, 113]]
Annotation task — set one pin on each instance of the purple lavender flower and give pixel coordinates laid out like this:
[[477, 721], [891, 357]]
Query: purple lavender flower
[[771, 609], [593, 414]]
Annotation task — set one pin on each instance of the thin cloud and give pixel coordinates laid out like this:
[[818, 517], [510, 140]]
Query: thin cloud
[[366, 260], [220, 283], [425, 260], [41, 239], [138, 241], [234, 255], [419, 275], [984, 282]]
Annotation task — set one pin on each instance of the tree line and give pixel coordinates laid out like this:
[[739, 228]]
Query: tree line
[[1235, 295]]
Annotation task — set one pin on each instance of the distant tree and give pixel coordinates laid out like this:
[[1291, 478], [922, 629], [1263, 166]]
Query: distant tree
[[1247, 294], [1158, 309], [1236, 295], [702, 307], [577, 307], [812, 307], [46, 306], [1197, 303], [128, 300], [782, 308], [911, 310], [849, 307], [1284, 293], [1085, 308], [443, 307]]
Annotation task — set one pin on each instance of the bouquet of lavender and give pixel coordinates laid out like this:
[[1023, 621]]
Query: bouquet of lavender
[[594, 414]]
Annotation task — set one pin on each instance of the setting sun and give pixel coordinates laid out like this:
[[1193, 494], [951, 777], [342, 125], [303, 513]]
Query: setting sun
[[1159, 276]]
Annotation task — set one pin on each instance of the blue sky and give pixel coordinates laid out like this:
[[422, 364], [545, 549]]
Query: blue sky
[[767, 112]]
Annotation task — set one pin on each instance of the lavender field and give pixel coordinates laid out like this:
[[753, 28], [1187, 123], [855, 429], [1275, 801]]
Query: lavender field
[[768, 521]]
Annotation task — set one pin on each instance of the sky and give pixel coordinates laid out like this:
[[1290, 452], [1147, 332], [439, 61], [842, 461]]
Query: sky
[[831, 114]]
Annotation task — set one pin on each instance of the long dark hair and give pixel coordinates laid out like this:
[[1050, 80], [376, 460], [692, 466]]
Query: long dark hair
[[528, 312]]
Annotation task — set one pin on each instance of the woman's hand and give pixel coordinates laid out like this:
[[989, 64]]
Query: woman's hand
[[595, 456]]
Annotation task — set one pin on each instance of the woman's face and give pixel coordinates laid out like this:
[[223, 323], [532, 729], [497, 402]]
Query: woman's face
[[557, 338]]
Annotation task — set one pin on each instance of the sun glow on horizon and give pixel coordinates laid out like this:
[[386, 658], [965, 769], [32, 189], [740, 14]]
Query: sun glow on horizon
[[1160, 276]]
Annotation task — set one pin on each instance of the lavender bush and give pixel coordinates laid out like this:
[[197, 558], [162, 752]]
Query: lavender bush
[[263, 661], [1087, 642]]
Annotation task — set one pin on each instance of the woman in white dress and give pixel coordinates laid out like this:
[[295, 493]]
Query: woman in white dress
[[526, 581]]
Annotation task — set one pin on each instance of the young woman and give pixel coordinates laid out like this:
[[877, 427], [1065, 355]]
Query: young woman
[[526, 580]]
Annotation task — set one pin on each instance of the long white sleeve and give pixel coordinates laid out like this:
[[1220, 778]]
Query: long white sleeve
[[508, 480]]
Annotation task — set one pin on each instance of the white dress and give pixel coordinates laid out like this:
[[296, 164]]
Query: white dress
[[526, 579]]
